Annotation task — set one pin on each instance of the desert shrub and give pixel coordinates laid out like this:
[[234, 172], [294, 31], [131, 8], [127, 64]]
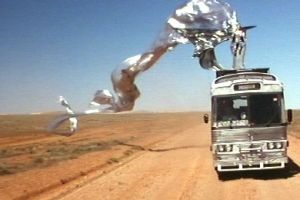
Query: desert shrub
[[5, 170]]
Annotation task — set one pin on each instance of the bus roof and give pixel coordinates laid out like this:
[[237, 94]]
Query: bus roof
[[227, 72]]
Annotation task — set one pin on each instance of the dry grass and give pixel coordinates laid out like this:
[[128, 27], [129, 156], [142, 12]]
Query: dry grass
[[22, 145], [22, 157], [28, 154], [18, 159], [18, 124]]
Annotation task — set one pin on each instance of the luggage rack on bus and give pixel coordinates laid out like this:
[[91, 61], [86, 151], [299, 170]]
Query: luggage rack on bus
[[228, 72]]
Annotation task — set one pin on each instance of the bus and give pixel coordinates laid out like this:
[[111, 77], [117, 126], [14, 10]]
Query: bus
[[248, 121]]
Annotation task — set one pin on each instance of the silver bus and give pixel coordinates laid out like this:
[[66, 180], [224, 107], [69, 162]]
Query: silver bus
[[248, 121]]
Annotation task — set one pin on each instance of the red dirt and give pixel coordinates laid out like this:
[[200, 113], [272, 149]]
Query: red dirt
[[154, 158]]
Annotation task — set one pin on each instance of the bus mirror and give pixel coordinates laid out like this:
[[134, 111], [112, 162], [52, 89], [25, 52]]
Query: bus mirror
[[290, 115], [205, 118]]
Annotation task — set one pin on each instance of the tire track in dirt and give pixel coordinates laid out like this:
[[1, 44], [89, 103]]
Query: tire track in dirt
[[181, 168], [145, 173], [97, 172]]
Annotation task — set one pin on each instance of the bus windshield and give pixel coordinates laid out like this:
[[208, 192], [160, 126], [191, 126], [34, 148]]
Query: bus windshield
[[247, 110]]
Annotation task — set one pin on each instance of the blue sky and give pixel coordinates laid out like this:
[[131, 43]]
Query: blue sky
[[70, 47]]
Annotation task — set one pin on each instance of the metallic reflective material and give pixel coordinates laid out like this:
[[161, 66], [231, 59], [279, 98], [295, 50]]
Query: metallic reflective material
[[238, 47], [204, 23], [249, 134], [71, 116], [60, 120]]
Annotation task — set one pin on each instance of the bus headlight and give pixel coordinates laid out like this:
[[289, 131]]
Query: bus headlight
[[228, 147], [270, 145], [274, 145], [278, 145], [221, 148], [225, 148]]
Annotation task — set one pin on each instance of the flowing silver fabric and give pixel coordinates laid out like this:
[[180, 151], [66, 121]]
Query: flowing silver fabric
[[204, 23], [71, 117], [238, 47]]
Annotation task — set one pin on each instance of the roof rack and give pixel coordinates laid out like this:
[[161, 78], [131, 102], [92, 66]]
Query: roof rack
[[227, 72]]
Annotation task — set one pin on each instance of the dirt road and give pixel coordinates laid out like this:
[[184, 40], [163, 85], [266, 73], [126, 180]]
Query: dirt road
[[180, 167]]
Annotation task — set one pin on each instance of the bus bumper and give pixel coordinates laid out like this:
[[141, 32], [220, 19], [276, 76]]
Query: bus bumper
[[275, 160]]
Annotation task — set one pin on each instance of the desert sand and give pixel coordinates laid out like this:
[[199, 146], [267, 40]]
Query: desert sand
[[130, 156]]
